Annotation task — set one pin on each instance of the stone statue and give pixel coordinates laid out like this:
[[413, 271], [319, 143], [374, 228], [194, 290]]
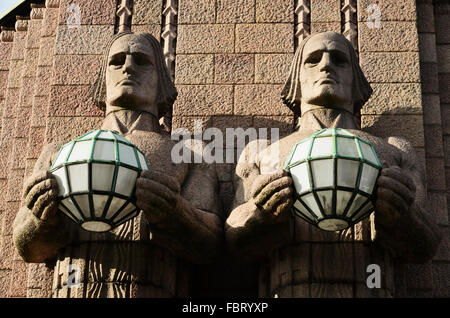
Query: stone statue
[[151, 255], [326, 88]]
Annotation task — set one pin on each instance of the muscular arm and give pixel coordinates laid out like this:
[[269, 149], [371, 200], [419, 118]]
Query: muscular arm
[[411, 236], [38, 231]]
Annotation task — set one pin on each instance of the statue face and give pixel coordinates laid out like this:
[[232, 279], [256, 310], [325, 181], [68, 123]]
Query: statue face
[[131, 76], [326, 72]]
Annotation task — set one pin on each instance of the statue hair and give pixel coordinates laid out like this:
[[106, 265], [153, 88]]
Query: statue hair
[[167, 92], [291, 93]]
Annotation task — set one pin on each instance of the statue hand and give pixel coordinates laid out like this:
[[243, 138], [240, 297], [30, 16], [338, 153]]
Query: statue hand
[[273, 194], [158, 195], [395, 194], [40, 193]]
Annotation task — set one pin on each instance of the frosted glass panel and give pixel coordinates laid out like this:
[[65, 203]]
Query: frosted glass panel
[[62, 155], [368, 178], [368, 207], [126, 179], [342, 198], [99, 203], [142, 161], [347, 172], [326, 200], [81, 151], [312, 204], [119, 137], [347, 147], [322, 147], [356, 204], [89, 135], [106, 135], [322, 173], [65, 211], [340, 131], [102, 176], [60, 176], [83, 203], [104, 150], [299, 206], [301, 151], [69, 204], [128, 209], [127, 155], [368, 153], [78, 175], [299, 175], [116, 204]]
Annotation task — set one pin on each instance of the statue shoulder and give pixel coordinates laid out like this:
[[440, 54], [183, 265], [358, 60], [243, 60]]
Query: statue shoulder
[[48, 155]]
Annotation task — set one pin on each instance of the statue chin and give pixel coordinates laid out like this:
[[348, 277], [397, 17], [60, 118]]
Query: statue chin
[[329, 98]]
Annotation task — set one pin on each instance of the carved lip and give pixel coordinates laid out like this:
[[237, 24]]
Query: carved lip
[[327, 80], [128, 81]]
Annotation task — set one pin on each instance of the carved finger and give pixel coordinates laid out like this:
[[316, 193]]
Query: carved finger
[[43, 202], [385, 213], [148, 185], [278, 198], [34, 180], [393, 199], [49, 211], [148, 200], [397, 173], [154, 207], [40, 189], [264, 180], [284, 207], [271, 188], [397, 187], [162, 178]]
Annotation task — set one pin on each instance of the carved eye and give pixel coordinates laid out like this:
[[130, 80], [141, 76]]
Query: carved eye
[[339, 58], [142, 59], [314, 58], [117, 60]]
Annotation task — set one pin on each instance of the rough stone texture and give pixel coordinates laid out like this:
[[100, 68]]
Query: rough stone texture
[[50, 23], [30, 63], [272, 68], [425, 18], [317, 27], [194, 69], [438, 202], [92, 12], [153, 29], [234, 68], [388, 125], [67, 101], [76, 69], [325, 11], [204, 100], [259, 99], [5, 50], [196, 11], [264, 38], [15, 75], [46, 51], [274, 11], [215, 38], [435, 174], [3, 83], [442, 26], [283, 123], [431, 109], [43, 80], [18, 284], [89, 39], [18, 49], [445, 113], [391, 36], [394, 98], [433, 141], [235, 11], [443, 57], [67, 128], [441, 280], [147, 11], [444, 84], [429, 78], [443, 252], [390, 67], [401, 10], [427, 47]]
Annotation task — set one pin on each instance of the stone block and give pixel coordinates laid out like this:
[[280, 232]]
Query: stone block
[[443, 252], [234, 68], [325, 11], [427, 43], [235, 11], [407, 126], [264, 38], [446, 142], [194, 69], [317, 27], [87, 39], [67, 101], [30, 63], [442, 26], [284, 124], [191, 123], [50, 22], [443, 58], [444, 84], [196, 11], [391, 36], [425, 18], [394, 98], [326, 267], [433, 141], [15, 74], [8, 219], [5, 52], [429, 77], [445, 113], [18, 283], [7, 250], [3, 83], [43, 79], [18, 49], [419, 276], [35, 142], [441, 280], [23, 122], [153, 29], [401, 10], [204, 100], [65, 129], [435, 173], [438, 206], [147, 11], [205, 38], [76, 69], [29, 166], [224, 122], [259, 99], [27, 92], [431, 109], [91, 12], [390, 67], [34, 34], [272, 68], [274, 11], [46, 51]]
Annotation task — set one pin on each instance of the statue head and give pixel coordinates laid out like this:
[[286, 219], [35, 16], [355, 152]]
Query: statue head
[[133, 75], [325, 73]]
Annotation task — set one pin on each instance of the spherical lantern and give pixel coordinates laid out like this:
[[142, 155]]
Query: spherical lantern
[[96, 175], [334, 174]]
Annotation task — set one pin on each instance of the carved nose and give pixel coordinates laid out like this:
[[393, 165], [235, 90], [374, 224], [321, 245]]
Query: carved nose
[[325, 62], [128, 66]]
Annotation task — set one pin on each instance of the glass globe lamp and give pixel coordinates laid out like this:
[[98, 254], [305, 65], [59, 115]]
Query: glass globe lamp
[[334, 174], [96, 175]]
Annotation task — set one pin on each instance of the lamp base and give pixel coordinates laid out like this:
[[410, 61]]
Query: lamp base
[[333, 224], [96, 226]]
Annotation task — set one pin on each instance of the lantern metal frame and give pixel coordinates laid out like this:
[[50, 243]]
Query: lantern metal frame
[[111, 193], [364, 210]]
